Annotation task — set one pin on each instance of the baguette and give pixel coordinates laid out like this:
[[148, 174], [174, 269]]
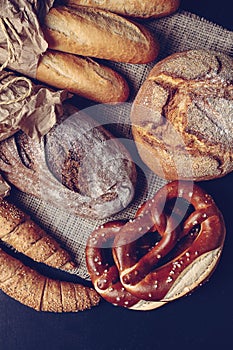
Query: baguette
[[133, 8], [21, 233], [41, 293], [82, 76], [97, 33]]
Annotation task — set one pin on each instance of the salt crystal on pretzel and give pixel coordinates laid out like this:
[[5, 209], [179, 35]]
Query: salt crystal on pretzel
[[164, 253]]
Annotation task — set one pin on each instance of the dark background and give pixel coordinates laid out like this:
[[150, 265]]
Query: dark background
[[203, 320], [219, 12]]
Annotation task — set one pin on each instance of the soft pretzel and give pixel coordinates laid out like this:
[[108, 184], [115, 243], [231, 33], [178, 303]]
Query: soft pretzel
[[170, 247], [100, 264]]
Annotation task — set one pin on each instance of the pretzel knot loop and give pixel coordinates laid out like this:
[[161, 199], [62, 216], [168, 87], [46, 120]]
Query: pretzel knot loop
[[169, 248]]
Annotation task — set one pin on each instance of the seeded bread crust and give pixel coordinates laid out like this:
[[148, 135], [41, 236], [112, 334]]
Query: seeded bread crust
[[19, 232], [182, 116], [34, 290]]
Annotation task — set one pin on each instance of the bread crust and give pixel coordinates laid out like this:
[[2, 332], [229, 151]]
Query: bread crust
[[133, 8], [182, 116], [41, 293], [130, 267], [82, 76], [97, 33], [19, 232], [78, 167], [25, 284]]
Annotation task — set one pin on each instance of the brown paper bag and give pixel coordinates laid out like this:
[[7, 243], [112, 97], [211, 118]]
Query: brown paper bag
[[27, 106], [23, 104], [4, 188], [21, 39]]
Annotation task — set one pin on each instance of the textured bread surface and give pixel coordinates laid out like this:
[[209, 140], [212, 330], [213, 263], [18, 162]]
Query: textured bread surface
[[21, 233], [183, 116], [78, 167], [97, 33], [82, 76], [41, 293], [133, 8]]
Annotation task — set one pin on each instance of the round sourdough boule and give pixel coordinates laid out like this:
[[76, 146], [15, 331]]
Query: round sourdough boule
[[182, 117]]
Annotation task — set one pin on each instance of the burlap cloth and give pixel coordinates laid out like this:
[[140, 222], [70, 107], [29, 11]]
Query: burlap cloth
[[179, 32]]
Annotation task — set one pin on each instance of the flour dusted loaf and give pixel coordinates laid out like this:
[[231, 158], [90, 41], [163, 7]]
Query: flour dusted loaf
[[82, 76], [97, 33], [78, 166], [133, 8], [182, 117]]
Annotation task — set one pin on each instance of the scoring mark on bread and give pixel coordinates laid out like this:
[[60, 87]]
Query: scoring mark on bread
[[19, 232], [199, 109], [110, 22], [203, 102], [56, 61], [41, 293], [23, 150], [105, 21]]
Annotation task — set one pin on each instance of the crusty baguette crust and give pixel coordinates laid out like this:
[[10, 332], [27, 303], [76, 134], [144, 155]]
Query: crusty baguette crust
[[133, 8], [21, 233], [41, 293], [82, 76], [182, 116], [97, 33]]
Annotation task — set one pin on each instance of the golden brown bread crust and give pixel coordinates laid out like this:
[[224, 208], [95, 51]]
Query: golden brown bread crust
[[182, 116], [21, 233], [166, 251], [82, 76], [133, 8], [98, 33], [41, 293]]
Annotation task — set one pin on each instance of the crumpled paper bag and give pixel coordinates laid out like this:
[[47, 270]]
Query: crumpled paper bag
[[30, 107], [4, 188], [27, 106], [23, 104], [21, 39]]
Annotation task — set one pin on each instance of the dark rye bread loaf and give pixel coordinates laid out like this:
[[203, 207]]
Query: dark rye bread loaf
[[183, 116], [78, 166]]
